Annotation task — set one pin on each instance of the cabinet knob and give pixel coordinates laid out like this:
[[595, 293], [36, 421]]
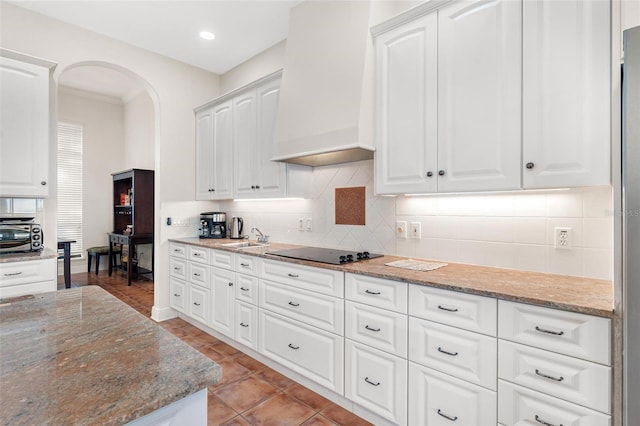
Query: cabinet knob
[[213, 190], [230, 284], [43, 183], [253, 187], [441, 173], [429, 174], [529, 166], [257, 186]]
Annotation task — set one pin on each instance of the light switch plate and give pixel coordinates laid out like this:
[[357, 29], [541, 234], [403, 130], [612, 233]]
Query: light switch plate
[[416, 230]]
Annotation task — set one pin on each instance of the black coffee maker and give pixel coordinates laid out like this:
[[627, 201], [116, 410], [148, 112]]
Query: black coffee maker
[[213, 225]]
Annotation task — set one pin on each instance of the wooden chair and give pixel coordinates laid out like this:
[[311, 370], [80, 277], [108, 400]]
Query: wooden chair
[[100, 251]]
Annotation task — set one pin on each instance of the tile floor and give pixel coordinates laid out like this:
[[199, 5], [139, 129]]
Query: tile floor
[[249, 393]]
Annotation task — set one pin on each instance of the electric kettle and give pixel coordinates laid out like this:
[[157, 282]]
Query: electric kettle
[[236, 228]]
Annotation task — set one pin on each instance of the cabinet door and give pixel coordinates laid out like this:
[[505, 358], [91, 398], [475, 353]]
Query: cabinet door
[[223, 301], [204, 154], [198, 303], [479, 94], [178, 299], [566, 93], [271, 175], [406, 99], [244, 139], [246, 327], [24, 143], [222, 151]]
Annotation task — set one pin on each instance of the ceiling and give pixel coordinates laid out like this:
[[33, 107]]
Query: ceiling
[[243, 28]]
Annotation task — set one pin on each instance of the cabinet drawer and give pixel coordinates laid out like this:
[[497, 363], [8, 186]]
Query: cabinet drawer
[[28, 288], [386, 294], [518, 405], [376, 327], [199, 304], [439, 399], [30, 271], [247, 288], [318, 310], [178, 298], [177, 250], [314, 353], [324, 281], [468, 311], [376, 380], [178, 268], [198, 254], [247, 264], [463, 354], [246, 324], [199, 274], [568, 333], [575, 380], [223, 259]]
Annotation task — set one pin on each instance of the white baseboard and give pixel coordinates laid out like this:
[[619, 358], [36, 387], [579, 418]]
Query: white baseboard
[[162, 314]]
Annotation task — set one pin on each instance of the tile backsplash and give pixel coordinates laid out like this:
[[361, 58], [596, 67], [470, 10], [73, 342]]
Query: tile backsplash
[[508, 230]]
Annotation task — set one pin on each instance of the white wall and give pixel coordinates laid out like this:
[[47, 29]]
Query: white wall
[[176, 89], [139, 133], [267, 62], [103, 153]]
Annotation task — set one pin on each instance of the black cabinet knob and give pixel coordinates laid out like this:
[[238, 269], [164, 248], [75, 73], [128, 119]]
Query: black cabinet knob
[[43, 183], [257, 186], [253, 187], [441, 173], [529, 166], [429, 174]]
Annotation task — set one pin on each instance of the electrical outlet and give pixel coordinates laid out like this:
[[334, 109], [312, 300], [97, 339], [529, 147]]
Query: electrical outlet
[[563, 238], [309, 224], [416, 231], [301, 224], [401, 229]]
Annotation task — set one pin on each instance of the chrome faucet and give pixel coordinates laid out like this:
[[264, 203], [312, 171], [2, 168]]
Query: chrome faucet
[[262, 239]]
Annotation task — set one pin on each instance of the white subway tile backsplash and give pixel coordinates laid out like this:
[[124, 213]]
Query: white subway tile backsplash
[[6, 206], [426, 247], [530, 257], [597, 263], [597, 202], [448, 250], [564, 203], [25, 206], [407, 248], [531, 204], [530, 230], [597, 233], [564, 262], [500, 229]]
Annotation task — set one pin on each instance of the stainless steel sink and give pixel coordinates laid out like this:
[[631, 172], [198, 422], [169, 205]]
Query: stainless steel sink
[[244, 244]]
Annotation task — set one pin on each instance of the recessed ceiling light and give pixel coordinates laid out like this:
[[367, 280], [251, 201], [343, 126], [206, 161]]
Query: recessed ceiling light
[[206, 35]]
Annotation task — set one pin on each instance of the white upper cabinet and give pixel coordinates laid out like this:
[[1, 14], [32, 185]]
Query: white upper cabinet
[[214, 139], [406, 68], [566, 93], [244, 138], [24, 128], [479, 83]]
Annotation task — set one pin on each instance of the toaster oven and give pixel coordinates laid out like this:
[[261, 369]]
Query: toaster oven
[[20, 237]]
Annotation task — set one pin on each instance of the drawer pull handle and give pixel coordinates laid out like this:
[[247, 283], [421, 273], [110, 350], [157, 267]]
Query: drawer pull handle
[[196, 303], [176, 268], [549, 377], [447, 309], [453, 419], [294, 347], [294, 304], [555, 333], [177, 251], [176, 295], [244, 325], [195, 274], [372, 292], [370, 328], [293, 275], [447, 352], [197, 254], [244, 289], [246, 265], [366, 379], [12, 274], [539, 420]]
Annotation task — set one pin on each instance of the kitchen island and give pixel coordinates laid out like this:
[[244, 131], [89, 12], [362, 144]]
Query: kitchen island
[[81, 356]]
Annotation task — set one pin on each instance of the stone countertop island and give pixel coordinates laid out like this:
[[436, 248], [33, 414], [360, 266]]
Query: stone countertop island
[[81, 356]]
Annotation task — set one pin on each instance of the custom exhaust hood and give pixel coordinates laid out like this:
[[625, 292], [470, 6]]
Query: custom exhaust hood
[[325, 111]]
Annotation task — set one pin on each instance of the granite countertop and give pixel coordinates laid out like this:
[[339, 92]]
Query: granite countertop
[[575, 294], [81, 356], [46, 253]]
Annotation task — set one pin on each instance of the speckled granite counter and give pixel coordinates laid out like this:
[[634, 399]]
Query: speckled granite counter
[[584, 295], [81, 356], [47, 253]]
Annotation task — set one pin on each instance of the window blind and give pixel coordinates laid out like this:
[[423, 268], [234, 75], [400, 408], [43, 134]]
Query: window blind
[[70, 185]]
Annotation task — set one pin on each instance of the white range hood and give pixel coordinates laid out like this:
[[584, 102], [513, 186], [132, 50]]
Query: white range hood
[[325, 112]]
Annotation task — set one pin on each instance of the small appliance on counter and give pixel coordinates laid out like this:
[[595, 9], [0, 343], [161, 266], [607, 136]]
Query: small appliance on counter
[[213, 225], [236, 228], [20, 235]]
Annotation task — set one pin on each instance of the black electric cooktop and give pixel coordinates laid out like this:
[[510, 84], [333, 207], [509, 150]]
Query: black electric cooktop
[[325, 255]]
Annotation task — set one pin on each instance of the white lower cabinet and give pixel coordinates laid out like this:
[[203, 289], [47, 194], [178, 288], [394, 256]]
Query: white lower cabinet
[[199, 303], [178, 294], [309, 351], [246, 325], [377, 381], [376, 327], [222, 305], [518, 405], [28, 277], [439, 399]]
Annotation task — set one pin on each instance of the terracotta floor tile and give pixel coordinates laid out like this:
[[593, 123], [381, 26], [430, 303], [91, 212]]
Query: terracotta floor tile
[[210, 351], [341, 416], [231, 372], [217, 411], [319, 420], [225, 349], [237, 421], [309, 397], [248, 362], [245, 393], [276, 379], [279, 410]]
